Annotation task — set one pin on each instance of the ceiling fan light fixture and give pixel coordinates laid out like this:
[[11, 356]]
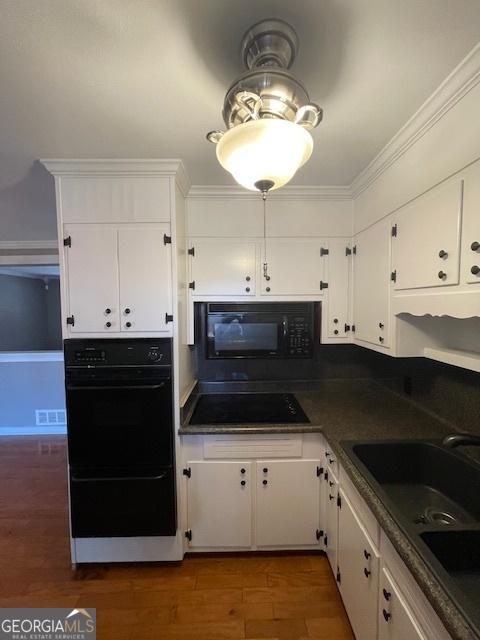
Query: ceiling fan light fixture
[[265, 149]]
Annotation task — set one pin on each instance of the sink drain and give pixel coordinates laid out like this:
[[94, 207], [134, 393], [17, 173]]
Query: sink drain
[[432, 515]]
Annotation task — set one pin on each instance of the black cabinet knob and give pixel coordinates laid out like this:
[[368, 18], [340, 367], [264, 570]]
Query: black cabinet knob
[[247, 289], [367, 554], [475, 269], [248, 278], [267, 278], [265, 469], [128, 325], [242, 471], [367, 572], [475, 246], [442, 275], [127, 310], [335, 320], [336, 332], [265, 482], [442, 254], [386, 594], [107, 311], [386, 615], [268, 288], [381, 325], [243, 483], [108, 324]]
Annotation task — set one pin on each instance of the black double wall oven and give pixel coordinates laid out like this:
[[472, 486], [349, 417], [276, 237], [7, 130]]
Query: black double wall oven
[[120, 437]]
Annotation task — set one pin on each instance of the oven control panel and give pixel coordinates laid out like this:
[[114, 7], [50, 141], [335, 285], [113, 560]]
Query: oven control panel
[[299, 336], [89, 355], [118, 352]]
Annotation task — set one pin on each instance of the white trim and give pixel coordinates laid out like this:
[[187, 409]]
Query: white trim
[[286, 193], [31, 356], [457, 84], [113, 167], [32, 431], [12, 245]]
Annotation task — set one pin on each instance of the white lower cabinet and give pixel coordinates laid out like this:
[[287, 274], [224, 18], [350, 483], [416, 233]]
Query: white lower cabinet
[[287, 503], [395, 619], [223, 509], [358, 564], [331, 520], [219, 503]]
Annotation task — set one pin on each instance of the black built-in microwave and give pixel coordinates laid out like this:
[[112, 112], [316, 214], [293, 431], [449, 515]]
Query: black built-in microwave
[[260, 330]]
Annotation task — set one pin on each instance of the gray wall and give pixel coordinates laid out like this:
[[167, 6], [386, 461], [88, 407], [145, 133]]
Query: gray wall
[[29, 315]]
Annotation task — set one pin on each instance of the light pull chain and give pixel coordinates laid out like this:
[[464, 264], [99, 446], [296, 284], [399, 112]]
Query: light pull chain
[[265, 263]]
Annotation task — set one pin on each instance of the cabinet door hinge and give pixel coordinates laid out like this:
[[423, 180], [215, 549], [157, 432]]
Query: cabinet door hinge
[[168, 318], [338, 577], [187, 472], [394, 231], [347, 328], [348, 251], [339, 502], [167, 239], [67, 242], [323, 285], [325, 475], [324, 252], [319, 534], [71, 320], [188, 535], [319, 471], [354, 250], [393, 276], [353, 328], [325, 540], [191, 285], [191, 251]]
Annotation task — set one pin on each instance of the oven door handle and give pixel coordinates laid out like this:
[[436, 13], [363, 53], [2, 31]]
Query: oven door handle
[[110, 387], [120, 478]]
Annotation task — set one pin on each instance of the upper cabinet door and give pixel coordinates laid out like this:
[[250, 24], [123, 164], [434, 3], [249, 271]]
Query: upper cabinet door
[[339, 267], [92, 278], [145, 278], [471, 226], [222, 267], [371, 307], [426, 239], [296, 266]]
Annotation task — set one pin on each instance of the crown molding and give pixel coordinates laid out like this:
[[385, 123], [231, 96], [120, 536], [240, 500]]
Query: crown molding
[[86, 167], [286, 193], [456, 85]]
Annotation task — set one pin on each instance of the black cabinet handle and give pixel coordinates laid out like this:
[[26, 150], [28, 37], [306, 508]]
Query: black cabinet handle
[[335, 320], [127, 311], [367, 554], [386, 615], [475, 270], [367, 572], [381, 338], [268, 289], [475, 246], [442, 254], [381, 325], [265, 482], [248, 278], [442, 275], [331, 483], [265, 469], [108, 324], [128, 325], [247, 289], [336, 332], [331, 497], [243, 483], [242, 470], [107, 311], [387, 595]]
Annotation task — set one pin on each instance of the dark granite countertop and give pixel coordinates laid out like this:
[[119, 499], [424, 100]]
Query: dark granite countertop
[[359, 410]]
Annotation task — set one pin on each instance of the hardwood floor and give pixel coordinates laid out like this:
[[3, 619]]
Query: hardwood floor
[[282, 596]]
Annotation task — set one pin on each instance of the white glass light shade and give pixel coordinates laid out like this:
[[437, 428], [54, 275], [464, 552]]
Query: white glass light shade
[[265, 149]]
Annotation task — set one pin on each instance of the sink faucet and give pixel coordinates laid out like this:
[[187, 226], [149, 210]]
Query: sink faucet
[[460, 439]]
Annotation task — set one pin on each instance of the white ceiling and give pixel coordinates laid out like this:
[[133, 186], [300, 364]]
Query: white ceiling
[[146, 78]]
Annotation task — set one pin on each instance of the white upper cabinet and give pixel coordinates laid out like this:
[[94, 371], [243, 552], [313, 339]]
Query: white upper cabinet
[[103, 198], [287, 503], [118, 279], [145, 277], [92, 278], [296, 266], [426, 239], [470, 266], [222, 267], [371, 305]]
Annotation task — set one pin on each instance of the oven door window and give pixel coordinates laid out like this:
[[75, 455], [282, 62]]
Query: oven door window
[[117, 425]]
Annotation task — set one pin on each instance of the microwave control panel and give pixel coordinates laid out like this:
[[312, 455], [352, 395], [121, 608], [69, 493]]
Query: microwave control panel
[[299, 336]]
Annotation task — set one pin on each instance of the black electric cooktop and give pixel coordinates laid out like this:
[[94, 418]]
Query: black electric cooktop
[[248, 408]]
